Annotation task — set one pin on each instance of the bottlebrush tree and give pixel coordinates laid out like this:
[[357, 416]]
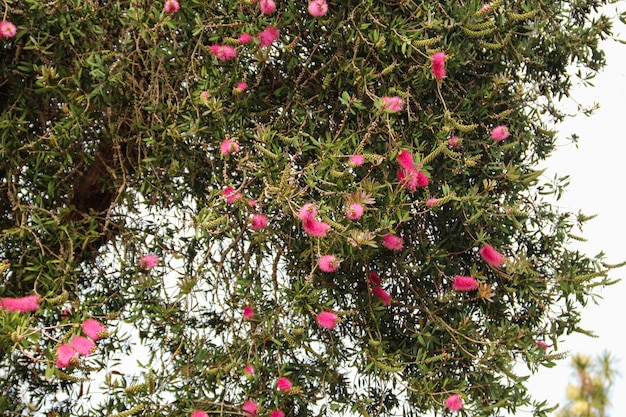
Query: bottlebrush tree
[[283, 207]]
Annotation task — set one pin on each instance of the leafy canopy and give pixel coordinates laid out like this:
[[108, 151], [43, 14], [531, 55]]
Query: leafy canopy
[[243, 191]]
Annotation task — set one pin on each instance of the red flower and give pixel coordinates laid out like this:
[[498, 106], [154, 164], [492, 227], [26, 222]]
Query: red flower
[[438, 62], [283, 384], [383, 295], [327, 319], [462, 283]]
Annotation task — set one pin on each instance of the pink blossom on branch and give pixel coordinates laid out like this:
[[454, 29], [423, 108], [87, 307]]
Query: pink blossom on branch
[[307, 212], [65, 355], [283, 384], [94, 329], [171, 6], [454, 142], [245, 38], [412, 179], [405, 159], [432, 202], [356, 160], [82, 345], [327, 319], [373, 278], [392, 104], [7, 29], [249, 370], [393, 242], [148, 261], [541, 344], [223, 52], [248, 312], [315, 228], [231, 195], [354, 211], [21, 304], [241, 87], [277, 413], [438, 64], [317, 8], [328, 263], [228, 146], [267, 6], [268, 36], [250, 407], [259, 221], [454, 402], [199, 413], [382, 295], [499, 133], [491, 256], [463, 283]]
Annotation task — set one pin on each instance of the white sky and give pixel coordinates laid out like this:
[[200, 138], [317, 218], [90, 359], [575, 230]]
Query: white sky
[[597, 169]]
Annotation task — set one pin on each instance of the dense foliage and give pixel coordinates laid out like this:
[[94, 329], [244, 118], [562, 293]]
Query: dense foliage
[[244, 191]]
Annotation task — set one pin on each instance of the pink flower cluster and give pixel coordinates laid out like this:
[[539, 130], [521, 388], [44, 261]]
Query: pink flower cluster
[[463, 283], [148, 261], [259, 221], [491, 256], [328, 263], [21, 304], [228, 146], [223, 52], [327, 319], [499, 133], [392, 104], [317, 8], [311, 225], [7, 29], [409, 175], [382, 295], [454, 402], [267, 6], [393, 242], [67, 353], [171, 6], [438, 65]]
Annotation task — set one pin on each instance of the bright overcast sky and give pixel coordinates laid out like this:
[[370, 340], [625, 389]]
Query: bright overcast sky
[[597, 168]]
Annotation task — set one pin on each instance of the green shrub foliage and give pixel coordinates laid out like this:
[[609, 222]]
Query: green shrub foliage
[[372, 153]]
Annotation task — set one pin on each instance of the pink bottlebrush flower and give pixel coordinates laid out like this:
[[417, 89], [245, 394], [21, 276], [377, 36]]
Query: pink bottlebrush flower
[[21, 304], [82, 345], [148, 261], [277, 413], [268, 36], [249, 370], [248, 312], [283, 384], [328, 263], [327, 319], [245, 38], [231, 195], [65, 355], [454, 142], [7, 29], [317, 8], [412, 179], [259, 221], [491, 256], [267, 6], [393, 242], [241, 87], [499, 133], [315, 228], [94, 329], [438, 65], [381, 294], [307, 212], [199, 413], [405, 159], [432, 202], [454, 402], [462, 283], [228, 146], [171, 6], [223, 52], [485, 8], [373, 278], [250, 407], [392, 104], [252, 202], [542, 344], [356, 160], [354, 211]]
